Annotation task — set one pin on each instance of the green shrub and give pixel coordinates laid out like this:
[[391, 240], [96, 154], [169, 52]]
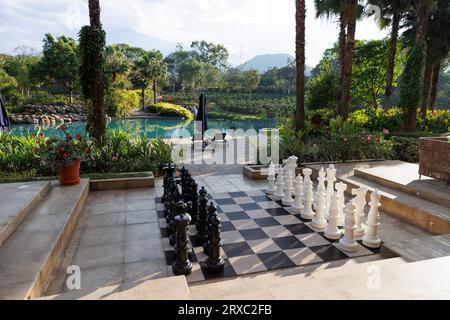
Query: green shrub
[[121, 102], [320, 92], [405, 148], [166, 109]]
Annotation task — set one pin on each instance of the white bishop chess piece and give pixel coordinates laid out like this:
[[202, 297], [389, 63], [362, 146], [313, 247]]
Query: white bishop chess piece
[[271, 179], [279, 194], [308, 212], [331, 179], [298, 203], [332, 232], [340, 189], [371, 239], [360, 203], [287, 199], [319, 221], [348, 242]]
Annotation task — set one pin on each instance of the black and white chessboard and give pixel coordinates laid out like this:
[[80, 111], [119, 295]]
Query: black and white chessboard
[[259, 234]]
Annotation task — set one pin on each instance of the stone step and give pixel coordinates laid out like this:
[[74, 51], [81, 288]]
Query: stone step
[[28, 257], [27, 195], [421, 248]]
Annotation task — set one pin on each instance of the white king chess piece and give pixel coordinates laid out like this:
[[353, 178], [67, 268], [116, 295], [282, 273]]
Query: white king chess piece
[[319, 221], [371, 238], [271, 179], [348, 242], [287, 199], [279, 194], [298, 204], [340, 189], [332, 232], [331, 179], [308, 212], [360, 203]]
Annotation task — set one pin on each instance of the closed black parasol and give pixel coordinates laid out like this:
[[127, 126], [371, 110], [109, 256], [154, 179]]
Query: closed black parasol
[[4, 121], [202, 114]]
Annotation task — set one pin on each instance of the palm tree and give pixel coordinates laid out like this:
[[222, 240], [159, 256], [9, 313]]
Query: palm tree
[[300, 17], [116, 62]]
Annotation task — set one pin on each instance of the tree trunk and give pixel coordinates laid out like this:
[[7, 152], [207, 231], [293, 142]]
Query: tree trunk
[[143, 99], [300, 17], [154, 92], [434, 85], [71, 95], [391, 62], [348, 61], [426, 90], [94, 13], [342, 37]]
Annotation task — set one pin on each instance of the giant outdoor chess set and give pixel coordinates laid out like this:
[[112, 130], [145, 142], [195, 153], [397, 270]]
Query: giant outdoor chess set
[[217, 235]]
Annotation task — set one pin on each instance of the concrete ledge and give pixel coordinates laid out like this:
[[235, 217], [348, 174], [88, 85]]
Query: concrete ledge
[[255, 171], [123, 183]]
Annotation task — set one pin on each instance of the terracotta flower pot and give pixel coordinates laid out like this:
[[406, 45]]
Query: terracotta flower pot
[[70, 175]]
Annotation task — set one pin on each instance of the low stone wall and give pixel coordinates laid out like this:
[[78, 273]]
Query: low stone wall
[[48, 114]]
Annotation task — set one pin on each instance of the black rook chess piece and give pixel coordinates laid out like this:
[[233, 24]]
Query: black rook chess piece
[[215, 262], [182, 264], [212, 211], [202, 232]]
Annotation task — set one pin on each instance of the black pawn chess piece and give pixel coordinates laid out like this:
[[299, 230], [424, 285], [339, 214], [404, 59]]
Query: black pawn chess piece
[[182, 264], [212, 211], [193, 199], [202, 232], [215, 262]]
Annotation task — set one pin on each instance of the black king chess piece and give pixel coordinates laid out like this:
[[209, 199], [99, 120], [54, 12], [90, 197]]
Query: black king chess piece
[[202, 232], [212, 210], [182, 264], [215, 262]]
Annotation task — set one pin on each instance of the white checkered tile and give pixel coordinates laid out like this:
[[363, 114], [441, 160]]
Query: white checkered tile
[[276, 231], [242, 200], [269, 205], [260, 213], [312, 239], [231, 208], [245, 224]]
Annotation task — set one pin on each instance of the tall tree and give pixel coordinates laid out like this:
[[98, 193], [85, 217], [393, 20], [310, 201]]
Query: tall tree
[[300, 17], [115, 62]]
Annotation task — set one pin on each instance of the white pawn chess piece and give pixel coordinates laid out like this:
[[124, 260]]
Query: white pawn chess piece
[[279, 193], [340, 189], [331, 179], [319, 222], [320, 183], [308, 212], [332, 232], [271, 179], [371, 239], [292, 165], [360, 203], [298, 204], [348, 242], [287, 199]]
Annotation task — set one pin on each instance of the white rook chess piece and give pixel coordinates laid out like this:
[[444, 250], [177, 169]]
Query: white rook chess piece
[[332, 232], [348, 242], [360, 203], [340, 189], [371, 239], [308, 212], [298, 204], [331, 179], [279, 194], [319, 221], [287, 199], [271, 179]]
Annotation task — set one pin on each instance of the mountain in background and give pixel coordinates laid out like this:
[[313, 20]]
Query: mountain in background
[[264, 62]]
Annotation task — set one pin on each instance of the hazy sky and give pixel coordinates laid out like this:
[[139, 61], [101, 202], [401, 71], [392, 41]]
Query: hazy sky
[[245, 27]]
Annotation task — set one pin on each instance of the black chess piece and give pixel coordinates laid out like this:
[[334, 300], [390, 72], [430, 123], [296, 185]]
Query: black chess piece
[[182, 264], [193, 199], [202, 232], [180, 209], [168, 170], [215, 262], [183, 176], [212, 211]]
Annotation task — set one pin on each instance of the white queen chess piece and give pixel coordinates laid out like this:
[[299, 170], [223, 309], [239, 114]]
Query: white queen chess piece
[[371, 239], [360, 203], [287, 199], [348, 242], [332, 232], [271, 179], [308, 212], [298, 204], [331, 179], [319, 221], [279, 194], [340, 189]]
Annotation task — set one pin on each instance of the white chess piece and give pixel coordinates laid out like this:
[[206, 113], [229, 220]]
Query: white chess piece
[[371, 239], [292, 165], [320, 183], [287, 199], [271, 179], [332, 232], [308, 212], [360, 203], [298, 204], [340, 189], [348, 242], [319, 221], [279, 194], [331, 179]]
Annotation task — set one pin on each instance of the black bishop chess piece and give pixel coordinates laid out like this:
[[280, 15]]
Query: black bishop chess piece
[[215, 262], [182, 264], [202, 232], [212, 211]]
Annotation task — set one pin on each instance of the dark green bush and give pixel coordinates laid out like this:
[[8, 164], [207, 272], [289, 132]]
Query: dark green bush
[[405, 148]]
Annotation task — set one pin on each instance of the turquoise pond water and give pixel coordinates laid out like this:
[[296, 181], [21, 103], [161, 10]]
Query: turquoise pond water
[[151, 127]]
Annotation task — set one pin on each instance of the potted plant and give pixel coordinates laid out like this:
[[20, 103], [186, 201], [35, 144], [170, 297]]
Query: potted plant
[[64, 155]]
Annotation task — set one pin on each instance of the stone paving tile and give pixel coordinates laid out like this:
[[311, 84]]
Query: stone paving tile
[[143, 250], [105, 220], [143, 231], [100, 255], [141, 204], [106, 207], [142, 216], [94, 278], [141, 271], [102, 235]]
